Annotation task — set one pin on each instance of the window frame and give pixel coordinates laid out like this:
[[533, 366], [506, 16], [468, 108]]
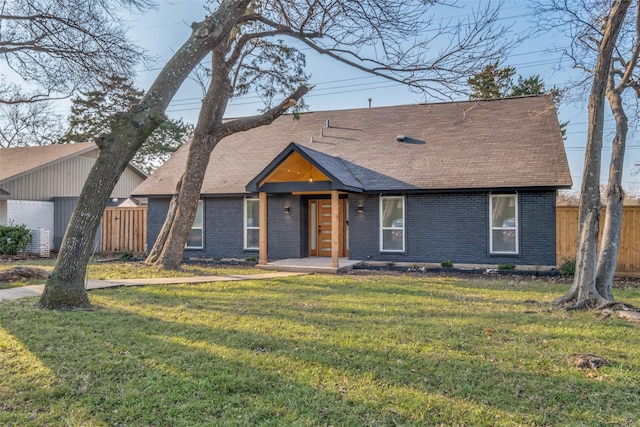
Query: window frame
[[186, 246], [383, 229], [246, 228], [515, 228]]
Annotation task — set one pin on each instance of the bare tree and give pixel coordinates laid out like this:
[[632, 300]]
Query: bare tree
[[29, 124], [393, 39], [55, 47], [595, 27], [622, 76], [231, 20], [65, 287]]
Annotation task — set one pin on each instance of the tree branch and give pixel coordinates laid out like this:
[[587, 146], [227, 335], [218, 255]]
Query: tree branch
[[265, 118]]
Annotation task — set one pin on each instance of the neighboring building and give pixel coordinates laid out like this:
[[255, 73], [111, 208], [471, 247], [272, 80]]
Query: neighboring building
[[473, 182], [39, 185]]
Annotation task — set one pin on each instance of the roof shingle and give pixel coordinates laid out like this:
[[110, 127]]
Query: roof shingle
[[506, 143]]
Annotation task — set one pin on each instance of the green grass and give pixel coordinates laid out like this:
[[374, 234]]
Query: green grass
[[129, 270], [318, 350]]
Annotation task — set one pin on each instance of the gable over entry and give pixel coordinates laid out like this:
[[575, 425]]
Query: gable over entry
[[300, 169]]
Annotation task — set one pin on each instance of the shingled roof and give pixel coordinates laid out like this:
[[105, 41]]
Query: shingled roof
[[18, 160], [495, 144]]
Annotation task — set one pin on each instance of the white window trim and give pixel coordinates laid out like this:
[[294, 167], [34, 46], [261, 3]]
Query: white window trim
[[382, 229], [244, 223], [200, 203], [492, 228]]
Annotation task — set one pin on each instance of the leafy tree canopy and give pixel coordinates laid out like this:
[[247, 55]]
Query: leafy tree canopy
[[497, 82], [92, 113]]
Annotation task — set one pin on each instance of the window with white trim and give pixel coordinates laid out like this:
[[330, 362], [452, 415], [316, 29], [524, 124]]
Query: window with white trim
[[196, 235], [251, 223], [392, 224], [503, 223]]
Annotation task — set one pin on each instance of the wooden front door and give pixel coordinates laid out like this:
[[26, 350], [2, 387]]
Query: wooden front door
[[320, 227]]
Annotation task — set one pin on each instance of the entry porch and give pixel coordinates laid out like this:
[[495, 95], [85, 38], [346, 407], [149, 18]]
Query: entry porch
[[311, 265]]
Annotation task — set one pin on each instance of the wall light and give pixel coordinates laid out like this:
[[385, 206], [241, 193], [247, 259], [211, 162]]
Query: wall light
[[287, 209], [360, 208]]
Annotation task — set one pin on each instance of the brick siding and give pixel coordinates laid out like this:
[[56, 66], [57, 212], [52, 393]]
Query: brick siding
[[438, 227]]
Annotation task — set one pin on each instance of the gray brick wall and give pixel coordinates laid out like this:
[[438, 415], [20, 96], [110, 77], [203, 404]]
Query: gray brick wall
[[223, 225], [456, 227], [284, 237], [438, 227]]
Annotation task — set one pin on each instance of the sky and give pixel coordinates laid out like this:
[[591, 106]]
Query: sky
[[161, 32]]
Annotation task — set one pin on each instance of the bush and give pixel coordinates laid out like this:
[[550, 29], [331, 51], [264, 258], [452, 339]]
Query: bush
[[125, 255], [568, 267], [14, 238], [446, 264], [251, 258], [508, 266]]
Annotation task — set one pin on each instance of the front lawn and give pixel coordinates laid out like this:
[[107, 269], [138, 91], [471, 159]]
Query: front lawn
[[319, 350], [129, 270]]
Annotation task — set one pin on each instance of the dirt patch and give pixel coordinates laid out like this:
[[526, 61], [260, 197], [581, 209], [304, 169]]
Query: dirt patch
[[588, 361], [19, 274]]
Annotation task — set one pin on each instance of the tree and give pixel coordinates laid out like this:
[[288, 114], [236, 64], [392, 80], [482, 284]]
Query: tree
[[495, 82], [621, 78], [605, 28], [492, 82], [55, 47], [161, 144], [331, 25], [29, 124], [65, 287], [92, 112], [257, 56]]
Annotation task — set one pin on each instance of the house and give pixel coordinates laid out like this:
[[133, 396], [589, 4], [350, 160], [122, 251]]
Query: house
[[473, 182], [39, 185]]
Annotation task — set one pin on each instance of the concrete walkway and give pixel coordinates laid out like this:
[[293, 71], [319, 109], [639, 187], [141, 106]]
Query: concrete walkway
[[36, 290]]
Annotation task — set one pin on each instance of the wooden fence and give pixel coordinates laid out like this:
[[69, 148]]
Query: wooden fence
[[629, 251], [124, 229]]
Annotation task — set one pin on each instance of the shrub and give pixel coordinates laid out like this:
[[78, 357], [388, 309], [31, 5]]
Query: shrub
[[251, 258], [446, 264], [507, 266], [14, 238], [125, 255], [568, 267]]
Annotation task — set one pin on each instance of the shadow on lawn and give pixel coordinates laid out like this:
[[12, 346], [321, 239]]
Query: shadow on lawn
[[293, 355]]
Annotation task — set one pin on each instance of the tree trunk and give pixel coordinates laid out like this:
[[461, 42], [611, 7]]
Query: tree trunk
[[169, 246], [168, 249], [610, 244], [583, 292], [65, 287]]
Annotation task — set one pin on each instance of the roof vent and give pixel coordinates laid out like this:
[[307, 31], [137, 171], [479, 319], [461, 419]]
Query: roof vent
[[401, 138]]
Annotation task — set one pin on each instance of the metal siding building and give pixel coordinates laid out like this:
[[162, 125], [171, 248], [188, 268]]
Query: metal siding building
[[54, 174]]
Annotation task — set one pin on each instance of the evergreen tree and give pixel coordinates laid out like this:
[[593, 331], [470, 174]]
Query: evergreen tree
[[495, 82], [92, 113], [492, 82]]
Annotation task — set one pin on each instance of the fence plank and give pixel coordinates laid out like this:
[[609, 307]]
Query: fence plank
[[124, 229], [629, 250]]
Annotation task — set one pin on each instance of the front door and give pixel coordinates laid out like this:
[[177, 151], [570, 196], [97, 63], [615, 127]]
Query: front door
[[320, 227]]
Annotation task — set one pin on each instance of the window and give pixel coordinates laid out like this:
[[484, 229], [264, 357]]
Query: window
[[392, 224], [195, 240], [251, 224], [504, 223]]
